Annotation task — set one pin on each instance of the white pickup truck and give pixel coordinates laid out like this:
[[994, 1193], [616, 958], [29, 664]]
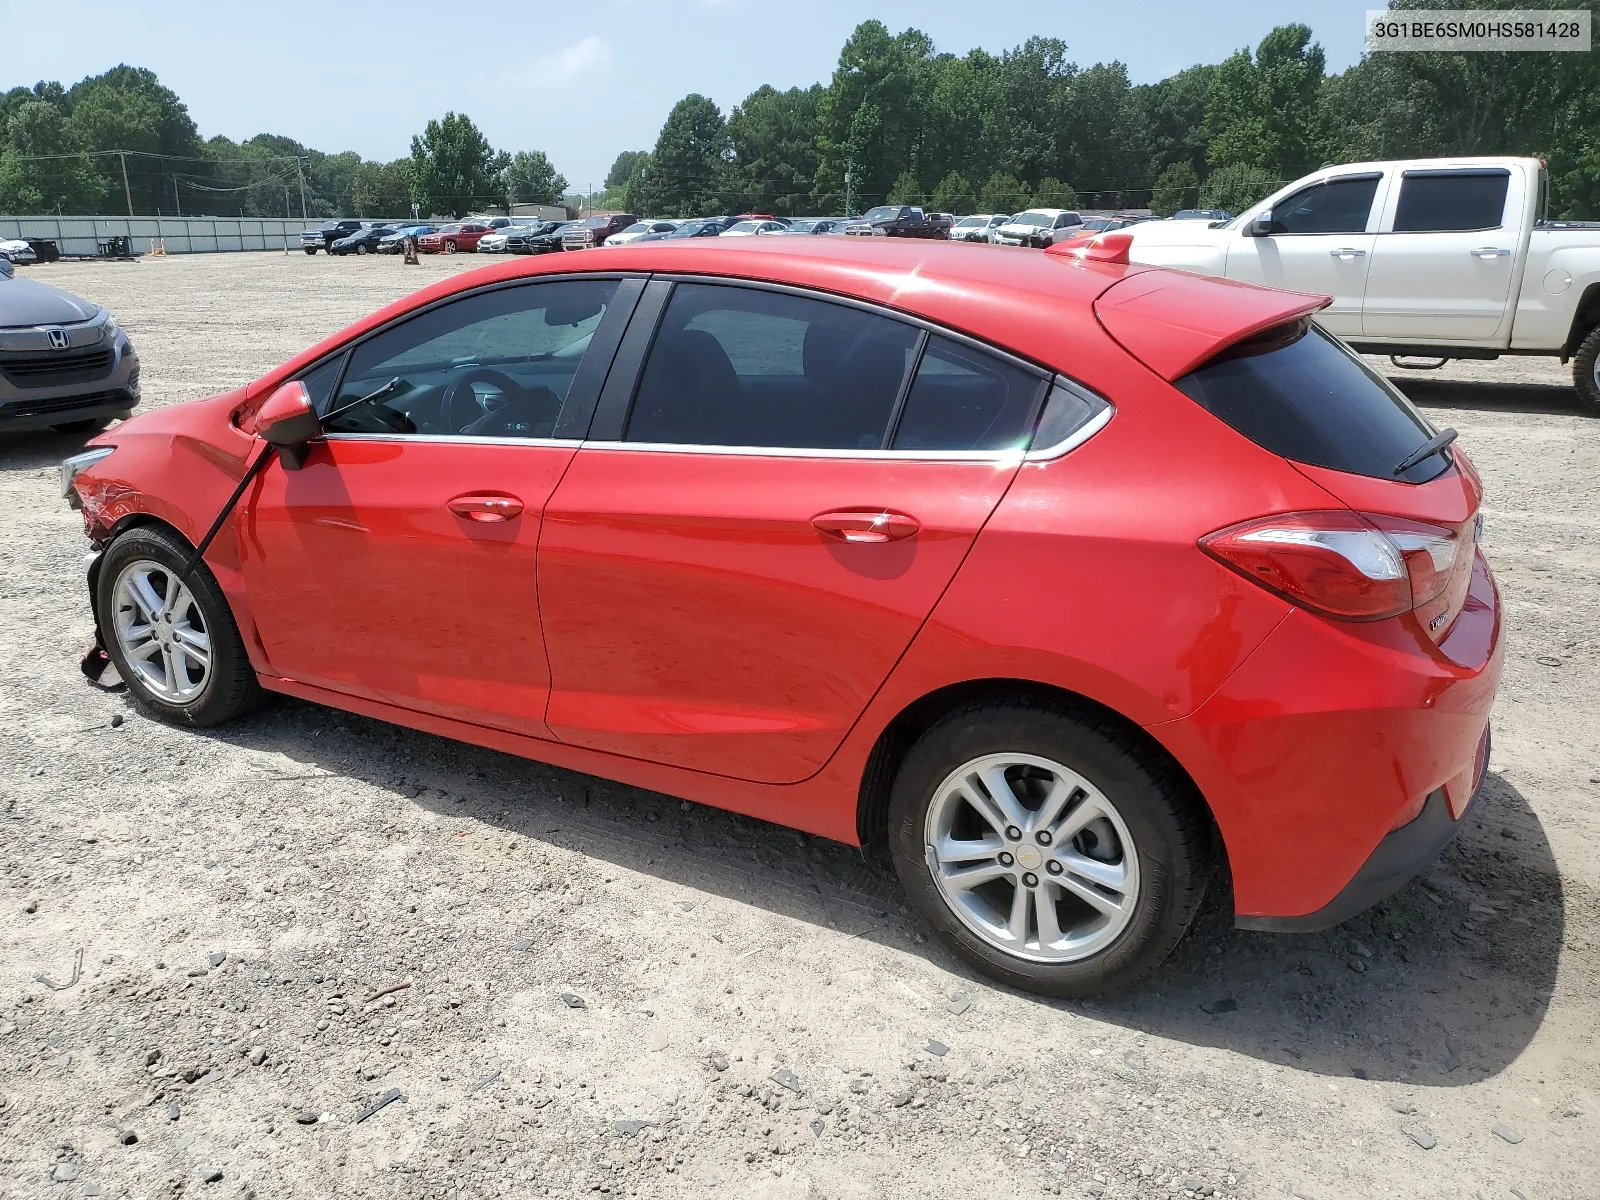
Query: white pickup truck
[[1435, 258]]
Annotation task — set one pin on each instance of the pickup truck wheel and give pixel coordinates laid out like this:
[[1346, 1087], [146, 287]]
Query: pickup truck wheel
[[311, 249], [1586, 372]]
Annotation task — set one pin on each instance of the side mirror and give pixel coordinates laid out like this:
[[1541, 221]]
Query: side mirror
[[288, 421], [1261, 224]]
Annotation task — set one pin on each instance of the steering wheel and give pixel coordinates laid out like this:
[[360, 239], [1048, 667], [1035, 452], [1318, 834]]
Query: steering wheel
[[452, 410]]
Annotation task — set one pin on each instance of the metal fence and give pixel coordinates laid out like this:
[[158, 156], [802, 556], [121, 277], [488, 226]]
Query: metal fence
[[179, 235]]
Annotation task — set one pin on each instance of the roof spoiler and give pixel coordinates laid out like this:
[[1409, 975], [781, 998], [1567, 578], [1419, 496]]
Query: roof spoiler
[[1173, 321]]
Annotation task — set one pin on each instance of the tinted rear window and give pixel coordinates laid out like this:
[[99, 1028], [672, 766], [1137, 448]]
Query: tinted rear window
[[1459, 200], [1315, 402]]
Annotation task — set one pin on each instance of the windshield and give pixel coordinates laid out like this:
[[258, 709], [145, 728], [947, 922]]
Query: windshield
[[1032, 218], [967, 222], [802, 226], [746, 227], [688, 229], [597, 222], [451, 229], [638, 227], [887, 212]]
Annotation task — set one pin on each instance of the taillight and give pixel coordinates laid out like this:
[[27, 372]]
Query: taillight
[[1354, 566]]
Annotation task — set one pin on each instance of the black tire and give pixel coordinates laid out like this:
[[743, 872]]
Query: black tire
[[1164, 816], [361, 249], [91, 425], [310, 249], [1586, 372], [231, 688]]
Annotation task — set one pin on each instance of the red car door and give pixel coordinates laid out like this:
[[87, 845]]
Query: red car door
[[398, 563], [732, 566]]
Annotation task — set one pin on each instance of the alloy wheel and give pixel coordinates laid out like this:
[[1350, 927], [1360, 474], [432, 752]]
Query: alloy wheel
[[161, 632], [1032, 857]]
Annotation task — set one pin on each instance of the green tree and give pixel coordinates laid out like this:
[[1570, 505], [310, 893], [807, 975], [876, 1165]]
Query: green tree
[[1003, 193], [128, 108], [1236, 187], [454, 169], [954, 194], [774, 145], [32, 179], [689, 166], [888, 74], [1261, 111], [1053, 193], [623, 167], [383, 189], [1178, 186], [530, 179], [905, 190], [1172, 118]]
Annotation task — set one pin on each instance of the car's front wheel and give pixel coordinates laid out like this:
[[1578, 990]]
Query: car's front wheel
[[1048, 847], [450, 247], [310, 249], [173, 641]]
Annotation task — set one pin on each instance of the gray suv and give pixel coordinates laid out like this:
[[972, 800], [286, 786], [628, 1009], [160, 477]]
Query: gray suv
[[64, 363]]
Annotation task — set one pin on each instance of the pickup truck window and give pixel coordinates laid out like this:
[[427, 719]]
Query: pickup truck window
[[1297, 392], [1439, 201], [1331, 206]]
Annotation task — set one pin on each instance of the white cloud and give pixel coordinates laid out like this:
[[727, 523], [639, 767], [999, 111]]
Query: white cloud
[[560, 67]]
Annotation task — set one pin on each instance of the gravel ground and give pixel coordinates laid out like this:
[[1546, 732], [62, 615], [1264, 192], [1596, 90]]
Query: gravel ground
[[604, 991]]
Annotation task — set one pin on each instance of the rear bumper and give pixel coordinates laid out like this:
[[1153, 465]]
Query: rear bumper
[[1400, 857], [1317, 749]]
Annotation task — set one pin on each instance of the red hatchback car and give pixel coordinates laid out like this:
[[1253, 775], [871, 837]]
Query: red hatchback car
[[462, 236], [1071, 581]]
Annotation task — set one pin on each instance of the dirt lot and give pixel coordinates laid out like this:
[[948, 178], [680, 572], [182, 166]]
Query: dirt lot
[[756, 1014]]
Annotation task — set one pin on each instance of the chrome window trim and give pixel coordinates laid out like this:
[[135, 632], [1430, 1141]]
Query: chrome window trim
[[1078, 437], [462, 439], [973, 456]]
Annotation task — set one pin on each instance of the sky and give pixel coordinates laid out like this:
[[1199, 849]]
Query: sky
[[580, 82]]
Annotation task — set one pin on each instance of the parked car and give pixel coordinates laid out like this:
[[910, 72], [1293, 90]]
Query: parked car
[[16, 251], [942, 221], [463, 235], [809, 225], [640, 229], [393, 242], [363, 241], [1202, 214], [64, 363], [594, 231], [1039, 227], [496, 241], [688, 229], [324, 236], [976, 227], [494, 222], [543, 238], [1057, 770], [752, 228], [896, 220], [1438, 258]]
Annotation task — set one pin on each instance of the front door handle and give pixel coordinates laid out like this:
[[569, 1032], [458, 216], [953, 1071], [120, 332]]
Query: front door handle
[[865, 525], [489, 509], [1489, 252], [1348, 252]]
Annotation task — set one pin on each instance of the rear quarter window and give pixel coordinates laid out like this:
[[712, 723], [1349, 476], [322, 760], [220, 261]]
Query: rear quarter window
[[1299, 393]]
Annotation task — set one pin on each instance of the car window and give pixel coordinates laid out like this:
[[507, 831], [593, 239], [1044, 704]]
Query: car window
[[491, 364], [319, 381], [744, 367], [964, 399], [1436, 202], [1334, 206]]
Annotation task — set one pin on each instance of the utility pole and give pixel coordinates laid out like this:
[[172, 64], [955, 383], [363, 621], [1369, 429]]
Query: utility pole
[[848, 178], [175, 198], [126, 190], [302, 175]]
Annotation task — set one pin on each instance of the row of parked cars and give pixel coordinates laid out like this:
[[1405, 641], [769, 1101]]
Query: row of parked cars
[[1036, 227]]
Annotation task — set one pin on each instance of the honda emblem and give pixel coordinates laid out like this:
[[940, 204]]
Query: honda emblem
[[58, 338]]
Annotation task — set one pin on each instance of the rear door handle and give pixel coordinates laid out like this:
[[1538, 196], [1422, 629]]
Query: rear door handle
[[865, 525], [1348, 252], [1489, 252], [489, 509]]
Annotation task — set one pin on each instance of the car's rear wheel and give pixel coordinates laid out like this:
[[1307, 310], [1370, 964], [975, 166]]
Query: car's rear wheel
[[361, 249], [173, 641], [1048, 847], [1586, 372]]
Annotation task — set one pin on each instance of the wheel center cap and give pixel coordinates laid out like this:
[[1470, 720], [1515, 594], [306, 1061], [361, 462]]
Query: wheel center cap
[[1030, 858]]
